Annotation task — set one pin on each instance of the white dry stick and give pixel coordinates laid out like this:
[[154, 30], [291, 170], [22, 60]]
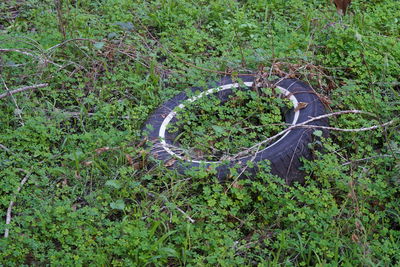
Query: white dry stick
[[71, 40], [364, 159], [77, 114], [18, 51], [15, 101], [8, 216], [165, 200], [243, 170], [41, 59], [10, 93], [5, 148], [187, 216], [304, 125]]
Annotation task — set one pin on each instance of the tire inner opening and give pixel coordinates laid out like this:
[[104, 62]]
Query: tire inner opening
[[218, 126]]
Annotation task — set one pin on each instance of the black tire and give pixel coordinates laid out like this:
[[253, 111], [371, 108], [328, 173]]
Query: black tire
[[284, 154]]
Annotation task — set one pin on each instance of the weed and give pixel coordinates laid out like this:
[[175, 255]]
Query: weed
[[238, 123], [94, 197]]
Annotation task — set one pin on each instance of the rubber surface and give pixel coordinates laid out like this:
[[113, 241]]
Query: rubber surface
[[284, 155]]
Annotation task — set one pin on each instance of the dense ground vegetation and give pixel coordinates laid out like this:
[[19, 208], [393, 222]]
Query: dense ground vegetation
[[92, 195]]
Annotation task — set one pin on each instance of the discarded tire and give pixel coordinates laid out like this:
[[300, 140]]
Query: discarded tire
[[284, 154]]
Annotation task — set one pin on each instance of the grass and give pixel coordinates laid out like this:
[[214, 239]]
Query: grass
[[93, 195]]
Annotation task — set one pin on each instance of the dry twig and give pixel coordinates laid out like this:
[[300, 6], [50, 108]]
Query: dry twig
[[304, 125], [18, 51], [187, 216], [364, 159], [10, 93], [5, 148], [41, 59], [12, 202], [15, 101], [71, 40], [242, 171], [165, 200]]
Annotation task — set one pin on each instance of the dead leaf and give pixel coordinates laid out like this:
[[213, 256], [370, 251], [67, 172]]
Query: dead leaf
[[138, 165], [74, 207], [169, 163], [341, 6], [358, 225], [141, 143], [300, 105], [143, 153], [355, 238], [198, 153], [129, 159], [102, 149], [237, 185]]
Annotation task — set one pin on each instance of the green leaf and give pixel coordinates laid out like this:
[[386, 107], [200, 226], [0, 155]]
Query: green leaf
[[118, 205], [126, 26], [113, 183], [317, 133], [358, 36], [99, 45], [218, 129], [112, 35]]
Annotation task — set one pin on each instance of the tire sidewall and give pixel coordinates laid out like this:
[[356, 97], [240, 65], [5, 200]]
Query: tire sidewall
[[284, 155]]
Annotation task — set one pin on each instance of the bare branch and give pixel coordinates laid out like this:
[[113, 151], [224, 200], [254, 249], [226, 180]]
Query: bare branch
[[41, 59], [304, 124], [364, 159], [71, 40], [9, 93], [349, 130], [18, 51], [243, 170]]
